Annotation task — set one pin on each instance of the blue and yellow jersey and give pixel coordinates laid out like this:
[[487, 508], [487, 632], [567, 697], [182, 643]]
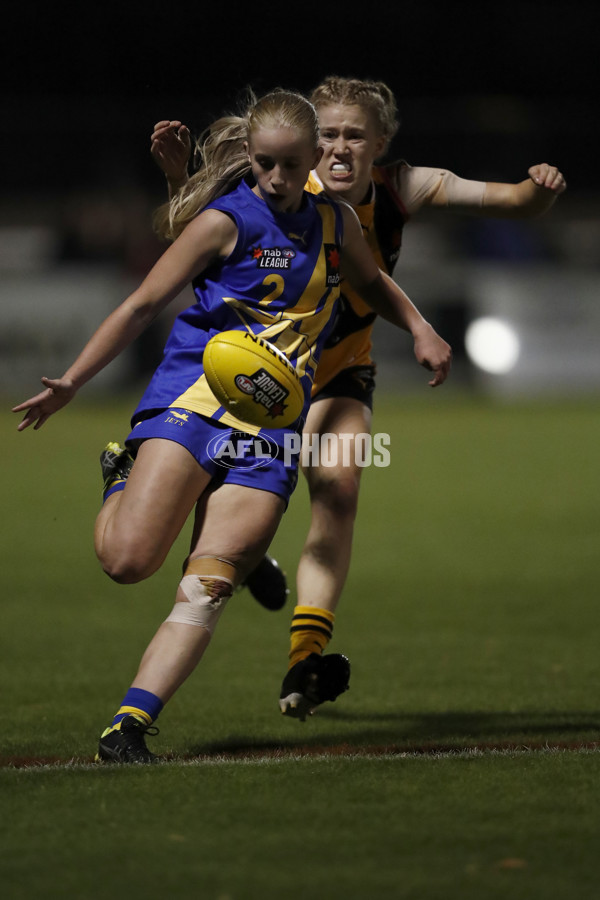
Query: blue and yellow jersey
[[281, 282], [382, 218]]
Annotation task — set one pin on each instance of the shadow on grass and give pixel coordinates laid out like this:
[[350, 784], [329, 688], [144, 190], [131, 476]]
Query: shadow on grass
[[378, 734], [424, 733]]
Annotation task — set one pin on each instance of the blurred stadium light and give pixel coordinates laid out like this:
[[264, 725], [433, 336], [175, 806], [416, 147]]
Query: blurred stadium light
[[550, 303], [492, 345]]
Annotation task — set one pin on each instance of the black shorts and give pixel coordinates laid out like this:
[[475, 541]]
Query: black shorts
[[356, 382]]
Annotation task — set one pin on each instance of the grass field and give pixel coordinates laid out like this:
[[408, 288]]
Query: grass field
[[462, 763]]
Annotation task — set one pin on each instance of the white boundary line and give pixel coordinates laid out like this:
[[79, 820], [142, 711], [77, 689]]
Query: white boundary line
[[279, 758]]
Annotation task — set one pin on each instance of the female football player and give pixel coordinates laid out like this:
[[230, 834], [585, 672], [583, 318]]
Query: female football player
[[357, 121], [248, 196]]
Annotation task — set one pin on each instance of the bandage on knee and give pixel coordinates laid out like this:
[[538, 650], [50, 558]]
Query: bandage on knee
[[205, 588]]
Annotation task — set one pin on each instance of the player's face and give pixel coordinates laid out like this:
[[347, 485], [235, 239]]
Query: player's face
[[281, 160], [351, 144]]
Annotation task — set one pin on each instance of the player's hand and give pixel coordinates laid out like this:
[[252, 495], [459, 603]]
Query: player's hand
[[548, 177], [171, 147], [433, 353], [58, 393]]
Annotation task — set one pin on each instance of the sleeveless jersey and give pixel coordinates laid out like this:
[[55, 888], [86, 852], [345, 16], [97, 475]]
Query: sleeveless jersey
[[281, 282], [382, 219]]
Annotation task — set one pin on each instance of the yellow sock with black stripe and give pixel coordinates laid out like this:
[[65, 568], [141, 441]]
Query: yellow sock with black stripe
[[310, 632]]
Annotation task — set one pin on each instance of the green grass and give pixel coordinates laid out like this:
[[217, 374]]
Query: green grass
[[471, 620], [487, 826]]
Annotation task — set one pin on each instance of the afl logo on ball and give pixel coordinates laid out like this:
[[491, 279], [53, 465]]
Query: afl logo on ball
[[245, 384]]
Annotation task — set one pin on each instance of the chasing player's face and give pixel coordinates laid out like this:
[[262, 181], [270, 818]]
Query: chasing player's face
[[351, 143], [281, 160]]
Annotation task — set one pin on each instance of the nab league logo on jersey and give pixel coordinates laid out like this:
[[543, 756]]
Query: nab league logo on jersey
[[273, 257], [332, 265]]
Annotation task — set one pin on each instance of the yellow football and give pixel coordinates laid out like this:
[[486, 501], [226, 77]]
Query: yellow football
[[252, 379]]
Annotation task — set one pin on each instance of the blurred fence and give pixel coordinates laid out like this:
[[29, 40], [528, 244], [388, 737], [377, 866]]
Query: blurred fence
[[540, 279]]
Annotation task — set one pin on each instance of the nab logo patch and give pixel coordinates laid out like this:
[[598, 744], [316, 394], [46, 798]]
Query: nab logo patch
[[332, 265], [273, 257]]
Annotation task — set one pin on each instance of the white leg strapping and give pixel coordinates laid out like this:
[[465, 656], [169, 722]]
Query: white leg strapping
[[202, 593]]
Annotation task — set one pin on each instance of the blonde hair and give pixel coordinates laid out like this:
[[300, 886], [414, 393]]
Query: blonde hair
[[222, 156], [372, 96]]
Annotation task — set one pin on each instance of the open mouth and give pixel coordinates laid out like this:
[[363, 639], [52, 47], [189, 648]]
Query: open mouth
[[340, 168], [279, 201]]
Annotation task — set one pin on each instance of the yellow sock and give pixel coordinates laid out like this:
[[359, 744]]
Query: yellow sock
[[132, 711], [310, 632]]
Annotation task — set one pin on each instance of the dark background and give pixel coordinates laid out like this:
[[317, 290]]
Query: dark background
[[484, 89]]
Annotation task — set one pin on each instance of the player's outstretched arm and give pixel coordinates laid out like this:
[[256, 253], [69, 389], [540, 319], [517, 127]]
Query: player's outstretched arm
[[431, 351], [208, 236], [532, 197], [59, 391], [171, 147], [388, 300], [117, 331]]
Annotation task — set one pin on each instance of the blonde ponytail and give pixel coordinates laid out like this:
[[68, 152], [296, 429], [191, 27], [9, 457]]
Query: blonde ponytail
[[223, 161], [222, 155]]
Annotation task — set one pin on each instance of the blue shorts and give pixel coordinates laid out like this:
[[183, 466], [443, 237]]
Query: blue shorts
[[229, 456]]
